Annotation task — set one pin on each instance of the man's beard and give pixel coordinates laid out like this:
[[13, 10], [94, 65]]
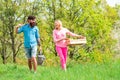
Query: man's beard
[[32, 24]]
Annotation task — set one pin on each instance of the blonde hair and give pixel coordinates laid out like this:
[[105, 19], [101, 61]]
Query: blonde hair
[[58, 21]]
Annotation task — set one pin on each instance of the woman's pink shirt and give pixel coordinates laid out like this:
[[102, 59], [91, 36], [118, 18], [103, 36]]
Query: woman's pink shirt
[[60, 34]]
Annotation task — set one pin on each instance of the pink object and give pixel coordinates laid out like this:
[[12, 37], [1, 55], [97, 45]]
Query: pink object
[[62, 53], [61, 44], [60, 34]]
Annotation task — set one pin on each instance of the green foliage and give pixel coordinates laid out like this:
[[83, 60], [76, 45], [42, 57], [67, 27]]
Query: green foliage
[[91, 18]]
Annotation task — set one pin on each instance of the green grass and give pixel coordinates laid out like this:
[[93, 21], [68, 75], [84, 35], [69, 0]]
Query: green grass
[[89, 71]]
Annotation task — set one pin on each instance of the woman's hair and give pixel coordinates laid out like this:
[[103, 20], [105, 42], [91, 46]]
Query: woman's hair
[[58, 21]]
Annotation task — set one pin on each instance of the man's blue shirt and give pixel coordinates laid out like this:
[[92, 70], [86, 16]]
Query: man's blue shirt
[[30, 35]]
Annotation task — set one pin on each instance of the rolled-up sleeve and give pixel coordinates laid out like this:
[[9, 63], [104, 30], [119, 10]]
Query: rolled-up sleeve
[[20, 29]]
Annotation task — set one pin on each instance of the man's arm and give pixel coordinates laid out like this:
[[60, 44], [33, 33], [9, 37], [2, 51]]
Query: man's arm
[[37, 35], [39, 44], [38, 41], [16, 29]]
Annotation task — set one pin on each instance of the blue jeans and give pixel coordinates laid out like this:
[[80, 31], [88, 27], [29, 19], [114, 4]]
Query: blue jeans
[[31, 52]]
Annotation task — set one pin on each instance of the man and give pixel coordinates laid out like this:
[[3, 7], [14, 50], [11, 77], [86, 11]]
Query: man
[[31, 40]]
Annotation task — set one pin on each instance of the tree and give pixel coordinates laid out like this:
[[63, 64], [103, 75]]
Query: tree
[[91, 18]]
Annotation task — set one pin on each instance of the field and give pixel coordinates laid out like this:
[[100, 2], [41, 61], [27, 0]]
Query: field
[[88, 71]]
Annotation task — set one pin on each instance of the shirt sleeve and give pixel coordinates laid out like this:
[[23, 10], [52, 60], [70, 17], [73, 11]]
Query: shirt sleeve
[[54, 37], [20, 29], [70, 33], [37, 33]]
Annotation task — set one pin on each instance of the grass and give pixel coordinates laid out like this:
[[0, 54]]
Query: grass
[[89, 71]]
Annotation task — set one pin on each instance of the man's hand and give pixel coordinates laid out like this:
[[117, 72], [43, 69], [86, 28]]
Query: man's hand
[[40, 48], [19, 25]]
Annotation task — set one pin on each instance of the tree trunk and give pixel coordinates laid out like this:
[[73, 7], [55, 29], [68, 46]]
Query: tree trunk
[[4, 59], [13, 47], [54, 10], [3, 54]]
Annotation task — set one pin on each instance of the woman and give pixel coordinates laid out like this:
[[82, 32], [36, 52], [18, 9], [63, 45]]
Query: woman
[[60, 40]]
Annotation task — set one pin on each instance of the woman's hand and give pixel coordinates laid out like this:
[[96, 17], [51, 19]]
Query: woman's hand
[[62, 39], [65, 38], [81, 37], [67, 41]]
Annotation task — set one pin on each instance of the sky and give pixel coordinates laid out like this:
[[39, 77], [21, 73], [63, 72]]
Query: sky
[[113, 2]]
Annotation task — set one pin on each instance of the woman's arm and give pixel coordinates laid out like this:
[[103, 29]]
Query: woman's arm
[[74, 35]]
